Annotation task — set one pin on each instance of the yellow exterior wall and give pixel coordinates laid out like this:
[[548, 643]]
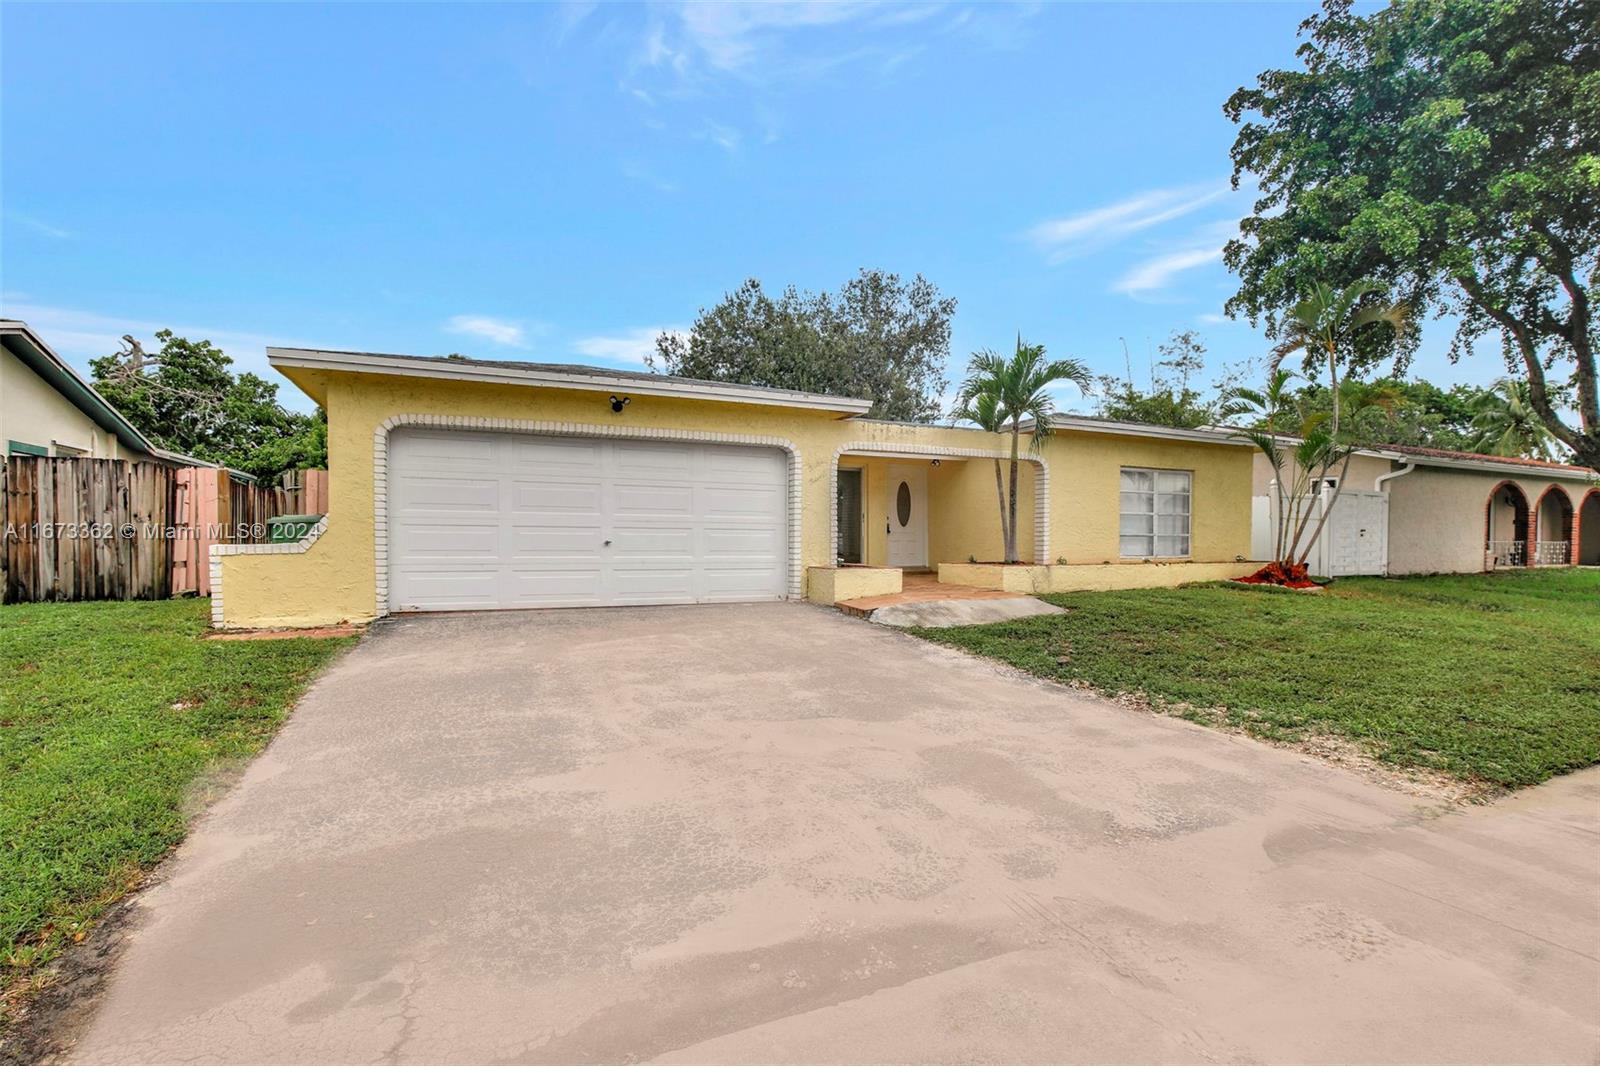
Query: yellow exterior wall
[[33, 412], [830, 584], [963, 515], [335, 579], [1088, 577], [1086, 485]]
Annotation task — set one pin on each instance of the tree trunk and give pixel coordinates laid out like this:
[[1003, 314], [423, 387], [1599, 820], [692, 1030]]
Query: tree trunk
[[1344, 472], [1011, 502], [1585, 444], [1280, 545], [1000, 497]]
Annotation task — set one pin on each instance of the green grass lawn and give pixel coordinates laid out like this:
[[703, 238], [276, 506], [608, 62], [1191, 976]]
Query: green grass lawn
[[112, 718], [1491, 677]]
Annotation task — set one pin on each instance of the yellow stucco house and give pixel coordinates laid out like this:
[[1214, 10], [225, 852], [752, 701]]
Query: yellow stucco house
[[460, 484]]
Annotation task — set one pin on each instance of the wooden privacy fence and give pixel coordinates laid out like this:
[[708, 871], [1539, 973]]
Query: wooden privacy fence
[[106, 529], [86, 529]]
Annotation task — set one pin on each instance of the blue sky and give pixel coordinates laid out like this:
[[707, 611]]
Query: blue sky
[[561, 182]]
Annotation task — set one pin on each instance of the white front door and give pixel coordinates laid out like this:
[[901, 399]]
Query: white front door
[[508, 520], [907, 519]]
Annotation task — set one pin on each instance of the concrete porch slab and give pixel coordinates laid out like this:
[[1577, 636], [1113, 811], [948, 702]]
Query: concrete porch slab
[[939, 614], [919, 586]]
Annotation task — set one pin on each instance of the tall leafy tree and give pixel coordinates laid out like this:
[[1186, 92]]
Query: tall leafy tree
[[1424, 415], [1000, 394], [186, 398], [1451, 149], [879, 338]]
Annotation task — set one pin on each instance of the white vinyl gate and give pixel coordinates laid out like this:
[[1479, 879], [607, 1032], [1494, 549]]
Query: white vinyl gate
[[1354, 542], [507, 520]]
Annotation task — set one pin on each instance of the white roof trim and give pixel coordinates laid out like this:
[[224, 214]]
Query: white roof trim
[[1507, 469], [1138, 429], [595, 380]]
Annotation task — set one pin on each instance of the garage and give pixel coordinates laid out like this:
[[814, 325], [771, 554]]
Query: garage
[[483, 521]]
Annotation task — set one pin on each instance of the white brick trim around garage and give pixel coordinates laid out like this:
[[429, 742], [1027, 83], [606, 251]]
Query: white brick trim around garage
[[219, 550], [888, 449], [380, 474]]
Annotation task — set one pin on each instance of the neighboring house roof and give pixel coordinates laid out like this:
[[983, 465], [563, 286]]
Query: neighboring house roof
[[558, 375], [1442, 457], [1091, 424], [35, 354]]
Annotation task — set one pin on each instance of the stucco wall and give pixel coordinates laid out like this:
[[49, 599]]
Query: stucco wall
[[1436, 517], [1589, 529], [1085, 494], [964, 519], [34, 413], [335, 578], [1364, 469]]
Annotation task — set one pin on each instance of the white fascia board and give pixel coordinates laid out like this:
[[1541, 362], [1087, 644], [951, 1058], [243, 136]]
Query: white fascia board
[[598, 381], [1136, 429]]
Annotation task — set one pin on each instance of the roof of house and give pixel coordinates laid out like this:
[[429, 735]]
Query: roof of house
[[558, 375], [1094, 424], [1478, 457], [34, 353]]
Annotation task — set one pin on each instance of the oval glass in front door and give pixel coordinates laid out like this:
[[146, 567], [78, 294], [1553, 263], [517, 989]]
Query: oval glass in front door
[[902, 504]]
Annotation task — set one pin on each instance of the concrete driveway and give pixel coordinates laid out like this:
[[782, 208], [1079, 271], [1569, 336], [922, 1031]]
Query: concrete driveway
[[773, 833]]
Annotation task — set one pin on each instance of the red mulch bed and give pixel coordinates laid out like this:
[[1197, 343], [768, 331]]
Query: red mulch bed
[[1288, 575]]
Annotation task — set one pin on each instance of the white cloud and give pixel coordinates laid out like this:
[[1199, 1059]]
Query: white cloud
[[724, 137], [634, 170], [79, 336], [729, 36], [1211, 318], [39, 226], [630, 346], [1062, 238], [1202, 247], [1157, 273], [495, 330]]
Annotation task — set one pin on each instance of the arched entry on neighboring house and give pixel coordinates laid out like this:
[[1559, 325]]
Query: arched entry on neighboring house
[[1552, 528], [1506, 527], [1589, 529]]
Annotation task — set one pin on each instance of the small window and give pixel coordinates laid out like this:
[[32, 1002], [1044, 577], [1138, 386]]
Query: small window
[[1155, 514]]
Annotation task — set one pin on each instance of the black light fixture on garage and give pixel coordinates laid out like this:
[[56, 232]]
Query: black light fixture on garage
[[619, 402]]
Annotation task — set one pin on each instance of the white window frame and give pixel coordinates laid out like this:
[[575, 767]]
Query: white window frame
[[1154, 514]]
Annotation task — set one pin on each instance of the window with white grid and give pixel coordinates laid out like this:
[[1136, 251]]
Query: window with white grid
[[1155, 513]]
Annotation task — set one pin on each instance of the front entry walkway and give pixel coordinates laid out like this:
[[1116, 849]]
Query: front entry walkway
[[769, 833], [922, 586], [924, 600]]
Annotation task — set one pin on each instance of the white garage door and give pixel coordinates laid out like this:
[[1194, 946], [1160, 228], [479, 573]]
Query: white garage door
[[505, 520]]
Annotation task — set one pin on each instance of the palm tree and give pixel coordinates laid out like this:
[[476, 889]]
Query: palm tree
[[1000, 394], [1274, 419], [1323, 327], [979, 403], [1325, 324], [1505, 423]]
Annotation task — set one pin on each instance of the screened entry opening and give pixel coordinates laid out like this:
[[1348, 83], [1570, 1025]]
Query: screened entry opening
[[849, 512]]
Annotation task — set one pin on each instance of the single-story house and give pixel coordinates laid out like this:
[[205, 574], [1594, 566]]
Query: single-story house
[[1408, 510], [460, 484], [48, 409]]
